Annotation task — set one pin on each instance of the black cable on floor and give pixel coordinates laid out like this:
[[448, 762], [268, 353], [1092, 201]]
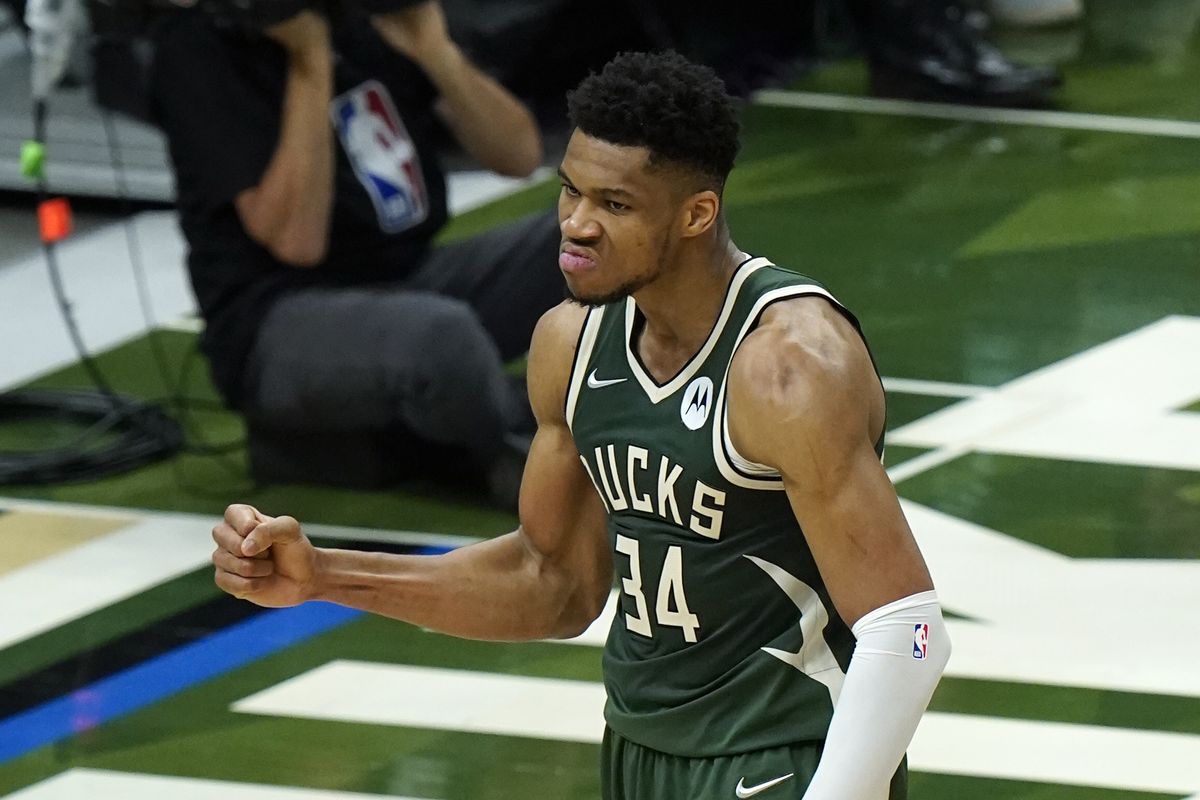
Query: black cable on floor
[[122, 433]]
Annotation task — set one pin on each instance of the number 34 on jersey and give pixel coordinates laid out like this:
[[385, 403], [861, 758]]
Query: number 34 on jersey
[[671, 606]]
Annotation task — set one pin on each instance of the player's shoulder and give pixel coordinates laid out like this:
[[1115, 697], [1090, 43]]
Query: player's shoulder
[[551, 356], [557, 331], [801, 348]]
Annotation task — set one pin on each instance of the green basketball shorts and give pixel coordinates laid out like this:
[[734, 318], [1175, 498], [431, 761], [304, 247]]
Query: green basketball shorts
[[629, 771]]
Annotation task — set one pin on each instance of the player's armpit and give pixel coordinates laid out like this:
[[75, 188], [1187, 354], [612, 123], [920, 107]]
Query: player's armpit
[[804, 399]]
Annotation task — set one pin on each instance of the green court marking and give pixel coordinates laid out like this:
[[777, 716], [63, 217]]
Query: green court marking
[[317, 754], [901, 198], [1078, 509], [379, 639], [924, 785], [1123, 209], [1068, 704], [33, 434], [839, 76], [1136, 59], [789, 176], [105, 625], [195, 734], [1195, 407], [898, 454]]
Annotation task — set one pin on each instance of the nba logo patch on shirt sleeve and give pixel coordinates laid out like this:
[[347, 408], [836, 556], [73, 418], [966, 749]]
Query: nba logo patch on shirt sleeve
[[920, 641], [382, 154]]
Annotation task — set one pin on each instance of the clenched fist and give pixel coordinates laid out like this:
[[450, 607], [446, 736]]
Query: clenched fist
[[266, 560]]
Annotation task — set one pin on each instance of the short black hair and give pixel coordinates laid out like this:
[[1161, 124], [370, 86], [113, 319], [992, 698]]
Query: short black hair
[[676, 109]]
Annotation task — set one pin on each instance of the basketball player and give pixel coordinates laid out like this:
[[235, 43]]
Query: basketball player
[[710, 428]]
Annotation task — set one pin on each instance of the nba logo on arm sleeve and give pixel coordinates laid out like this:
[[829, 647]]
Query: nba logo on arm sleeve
[[920, 641]]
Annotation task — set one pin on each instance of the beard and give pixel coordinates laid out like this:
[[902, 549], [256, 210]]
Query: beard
[[620, 293]]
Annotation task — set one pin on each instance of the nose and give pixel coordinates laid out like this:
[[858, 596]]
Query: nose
[[577, 222]]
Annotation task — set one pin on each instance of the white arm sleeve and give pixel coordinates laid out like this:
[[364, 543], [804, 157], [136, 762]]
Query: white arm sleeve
[[901, 652]]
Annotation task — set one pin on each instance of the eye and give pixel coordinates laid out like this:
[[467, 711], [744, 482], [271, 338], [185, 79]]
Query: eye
[[570, 190], [613, 205]]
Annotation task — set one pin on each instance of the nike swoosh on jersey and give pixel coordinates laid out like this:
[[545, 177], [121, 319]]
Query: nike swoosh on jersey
[[744, 791], [595, 383]]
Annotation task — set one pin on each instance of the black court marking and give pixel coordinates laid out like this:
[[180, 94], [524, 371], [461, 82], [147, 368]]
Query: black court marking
[[156, 639]]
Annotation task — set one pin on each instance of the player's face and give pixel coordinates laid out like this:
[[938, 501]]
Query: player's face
[[617, 218]]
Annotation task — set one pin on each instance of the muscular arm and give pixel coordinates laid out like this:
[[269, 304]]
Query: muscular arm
[[486, 119], [288, 212], [549, 578], [804, 399]]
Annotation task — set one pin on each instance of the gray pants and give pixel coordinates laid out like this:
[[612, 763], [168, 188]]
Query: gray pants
[[424, 355]]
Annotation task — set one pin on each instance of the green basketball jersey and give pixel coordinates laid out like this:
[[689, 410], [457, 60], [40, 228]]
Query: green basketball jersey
[[725, 639]]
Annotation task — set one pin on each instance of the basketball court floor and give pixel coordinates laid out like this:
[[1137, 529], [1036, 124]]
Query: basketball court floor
[[1030, 284]]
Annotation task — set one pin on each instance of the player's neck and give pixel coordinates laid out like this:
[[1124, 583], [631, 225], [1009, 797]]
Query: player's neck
[[682, 305]]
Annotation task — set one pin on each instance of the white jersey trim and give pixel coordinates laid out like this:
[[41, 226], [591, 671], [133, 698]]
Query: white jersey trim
[[583, 356], [734, 467], [657, 393]]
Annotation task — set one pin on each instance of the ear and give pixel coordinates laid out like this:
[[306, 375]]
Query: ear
[[700, 212]]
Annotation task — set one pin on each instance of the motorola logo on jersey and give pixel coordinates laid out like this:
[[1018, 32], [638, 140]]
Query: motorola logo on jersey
[[697, 402]]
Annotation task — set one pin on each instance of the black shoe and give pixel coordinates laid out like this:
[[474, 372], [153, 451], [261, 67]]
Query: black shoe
[[936, 50]]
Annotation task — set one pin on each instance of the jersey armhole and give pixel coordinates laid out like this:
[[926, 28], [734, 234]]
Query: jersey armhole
[[583, 356], [735, 467]]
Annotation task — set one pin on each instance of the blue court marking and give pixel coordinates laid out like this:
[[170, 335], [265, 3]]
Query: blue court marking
[[434, 550], [165, 675]]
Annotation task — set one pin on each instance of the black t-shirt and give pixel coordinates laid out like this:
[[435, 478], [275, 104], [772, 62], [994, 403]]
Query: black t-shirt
[[218, 96]]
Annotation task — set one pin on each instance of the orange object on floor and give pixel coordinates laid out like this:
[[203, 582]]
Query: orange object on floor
[[54, 219]]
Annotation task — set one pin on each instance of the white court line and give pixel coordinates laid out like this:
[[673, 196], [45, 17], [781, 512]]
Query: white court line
[[470, 189], [932, 388], [188, 324], [103, 785], [99, 283], [156, 547], [925, 462], [55, 590], [818, 101], [1114, 403], [1038, 617], [454, 700], [544, 708], [1057, 753], [204, 523]]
